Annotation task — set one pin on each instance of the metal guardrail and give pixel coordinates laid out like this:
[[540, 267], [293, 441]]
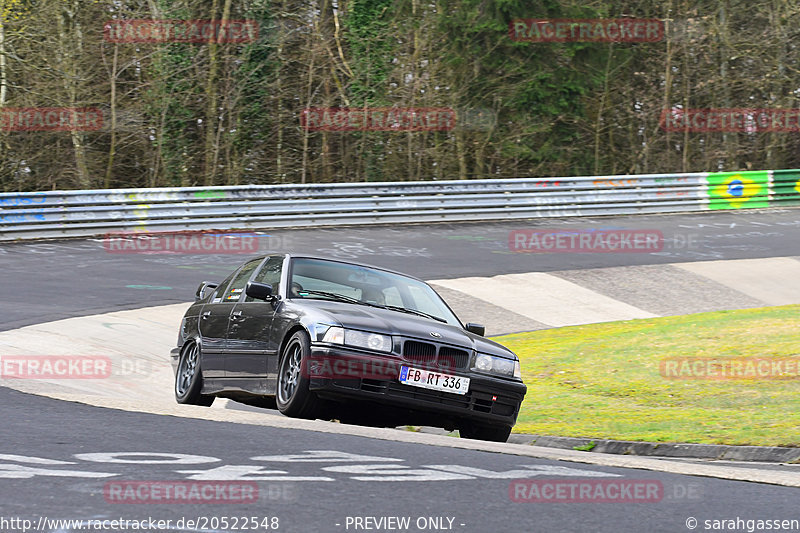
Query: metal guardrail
[[53, 214]]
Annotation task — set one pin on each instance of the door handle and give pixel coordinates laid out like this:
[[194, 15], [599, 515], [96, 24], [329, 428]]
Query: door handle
[[205, 315], [236, 313]]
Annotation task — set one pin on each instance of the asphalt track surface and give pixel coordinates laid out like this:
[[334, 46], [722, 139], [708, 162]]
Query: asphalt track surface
[[397, 479], [49, 281]]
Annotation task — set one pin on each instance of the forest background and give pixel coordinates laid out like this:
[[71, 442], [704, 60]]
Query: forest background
[[229, 113]]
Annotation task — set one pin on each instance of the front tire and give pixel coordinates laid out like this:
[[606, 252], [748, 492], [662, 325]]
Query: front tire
[[293, 397], [189, 378], [471, 430]]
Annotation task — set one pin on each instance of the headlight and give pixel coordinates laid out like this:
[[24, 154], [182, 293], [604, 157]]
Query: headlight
[[370, 341], [489, 364], [360, 339], [334, 335]]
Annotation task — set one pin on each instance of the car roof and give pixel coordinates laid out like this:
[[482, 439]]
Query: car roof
[[345, 261]]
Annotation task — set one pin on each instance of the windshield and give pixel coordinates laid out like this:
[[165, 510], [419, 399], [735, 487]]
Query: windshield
[[331, 280]]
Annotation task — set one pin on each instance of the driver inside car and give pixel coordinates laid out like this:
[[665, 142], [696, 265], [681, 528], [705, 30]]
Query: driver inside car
[[372, 295]]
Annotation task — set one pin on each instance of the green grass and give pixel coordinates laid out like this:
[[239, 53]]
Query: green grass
[[603, 380]]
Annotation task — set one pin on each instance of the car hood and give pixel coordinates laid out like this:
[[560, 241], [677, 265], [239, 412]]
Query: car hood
[[402, 324]]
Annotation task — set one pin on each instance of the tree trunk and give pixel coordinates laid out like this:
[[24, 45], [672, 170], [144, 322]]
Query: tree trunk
[[3, 74], [112, 149], [211, 104], [71, 42]]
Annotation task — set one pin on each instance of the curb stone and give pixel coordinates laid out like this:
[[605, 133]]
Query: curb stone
[[772, 454]]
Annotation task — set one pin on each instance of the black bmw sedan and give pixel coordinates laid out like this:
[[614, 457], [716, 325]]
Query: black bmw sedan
[[320, 338]]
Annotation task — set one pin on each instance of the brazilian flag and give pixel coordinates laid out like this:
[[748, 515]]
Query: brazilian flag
[[785, 187], [738, 190]]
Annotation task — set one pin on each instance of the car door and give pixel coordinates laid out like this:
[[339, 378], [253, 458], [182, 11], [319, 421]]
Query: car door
[[214, 320], [251, 356]]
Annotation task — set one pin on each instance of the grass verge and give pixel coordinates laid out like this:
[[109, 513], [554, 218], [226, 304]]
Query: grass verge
[[604, 380]]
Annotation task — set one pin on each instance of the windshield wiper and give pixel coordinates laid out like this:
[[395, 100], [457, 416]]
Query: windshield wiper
[[412, 312], [333, 295], [348, 299]]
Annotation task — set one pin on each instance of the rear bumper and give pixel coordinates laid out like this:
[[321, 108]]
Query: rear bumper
[[489, 400]]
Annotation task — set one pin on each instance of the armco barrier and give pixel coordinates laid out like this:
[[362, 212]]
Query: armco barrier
[[55, 214]]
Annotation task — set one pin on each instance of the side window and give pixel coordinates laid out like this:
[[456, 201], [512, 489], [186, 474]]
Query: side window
[[237, 285], [269, 273], [216, 298]]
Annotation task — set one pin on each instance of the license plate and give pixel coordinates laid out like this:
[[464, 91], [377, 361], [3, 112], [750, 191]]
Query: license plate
[[433, 380]]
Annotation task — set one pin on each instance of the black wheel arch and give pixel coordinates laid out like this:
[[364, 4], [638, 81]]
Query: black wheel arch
[[289, 333]]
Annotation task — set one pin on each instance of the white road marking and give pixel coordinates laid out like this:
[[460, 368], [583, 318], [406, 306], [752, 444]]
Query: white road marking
[[129, 458], [324, 456], [32, 460], [25, 472], [233, 472], [772, 280], [546, 298], [246, 473]]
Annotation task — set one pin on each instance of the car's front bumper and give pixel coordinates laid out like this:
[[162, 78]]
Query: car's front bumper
[[174, 356], [489, 400]]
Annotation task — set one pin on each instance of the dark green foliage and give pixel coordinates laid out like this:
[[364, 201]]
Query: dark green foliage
[[524, 108]]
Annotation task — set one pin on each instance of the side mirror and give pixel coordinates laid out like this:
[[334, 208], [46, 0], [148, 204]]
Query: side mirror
[[477, 329], [201, 290], [259, 291]]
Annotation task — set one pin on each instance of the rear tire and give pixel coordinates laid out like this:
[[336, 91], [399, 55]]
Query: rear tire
[[472, 430], [293, 397], [189, 378]]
